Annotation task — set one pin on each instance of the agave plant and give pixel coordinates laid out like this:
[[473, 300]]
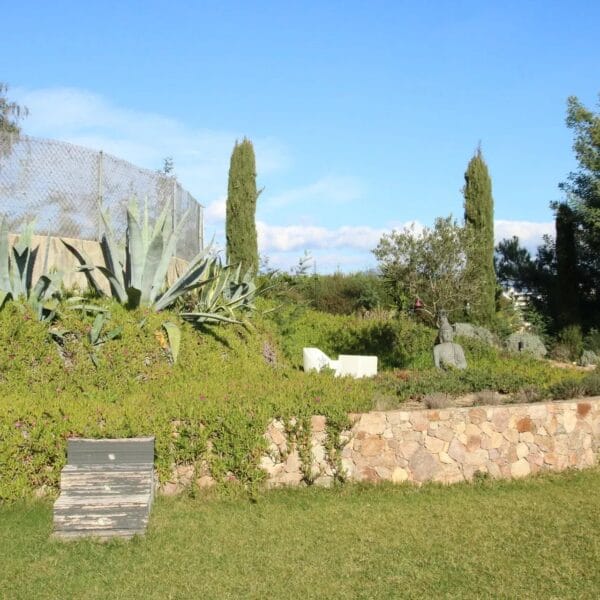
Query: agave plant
[[16, 274], [223, 297], [137, 275]]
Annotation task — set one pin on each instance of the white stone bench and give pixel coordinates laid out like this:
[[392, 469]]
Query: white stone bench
[[346, 364]]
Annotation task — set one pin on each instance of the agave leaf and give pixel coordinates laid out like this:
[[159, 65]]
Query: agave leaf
[[135, 253], [161, 222], [200, 317], [134, 296], [162, 268], [174, 336], [115, 284], [59, 334], [4, 257], [145, 225], [4, 296], [19, 273], [41, 287], [110, 251], [24, 241], [188, 281], [153, 259], [97, 328], [91, 308], [85, 266], [111, 335]]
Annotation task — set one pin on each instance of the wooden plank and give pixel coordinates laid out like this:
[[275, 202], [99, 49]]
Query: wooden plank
[[107, 488], [81, 451]]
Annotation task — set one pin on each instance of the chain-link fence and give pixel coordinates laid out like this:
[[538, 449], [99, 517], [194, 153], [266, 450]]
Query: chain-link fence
[[62, 187]]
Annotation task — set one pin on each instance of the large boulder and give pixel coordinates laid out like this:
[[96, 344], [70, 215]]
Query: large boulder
[[526, 342], [589, 358], [475, 331]]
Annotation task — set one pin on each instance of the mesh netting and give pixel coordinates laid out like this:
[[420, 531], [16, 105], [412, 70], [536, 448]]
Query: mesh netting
[[62, 186]]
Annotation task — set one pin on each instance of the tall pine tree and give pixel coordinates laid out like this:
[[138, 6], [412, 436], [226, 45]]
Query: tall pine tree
[[240, 226], [479, 215], [567, 284]]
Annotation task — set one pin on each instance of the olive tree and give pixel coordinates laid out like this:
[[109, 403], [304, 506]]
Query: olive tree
[[431, 265]]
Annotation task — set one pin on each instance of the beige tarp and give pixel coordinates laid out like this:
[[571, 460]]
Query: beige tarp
[[60, 259]]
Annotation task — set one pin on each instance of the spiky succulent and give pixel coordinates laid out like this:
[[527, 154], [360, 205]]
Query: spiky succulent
[[16, 274]]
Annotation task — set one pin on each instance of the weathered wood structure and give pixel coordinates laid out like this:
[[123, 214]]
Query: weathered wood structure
[[107, 488]]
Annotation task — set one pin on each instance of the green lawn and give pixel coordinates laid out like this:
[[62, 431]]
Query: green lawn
[[538, 538]]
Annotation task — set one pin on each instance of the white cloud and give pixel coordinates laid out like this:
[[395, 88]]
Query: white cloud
[[286, 238], [201, 156], [331, 189], [530, 233]]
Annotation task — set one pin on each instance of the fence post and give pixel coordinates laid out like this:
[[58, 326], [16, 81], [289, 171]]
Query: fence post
[[100, 190], [200, 226]]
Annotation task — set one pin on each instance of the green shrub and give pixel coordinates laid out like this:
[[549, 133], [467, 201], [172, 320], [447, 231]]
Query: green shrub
[[571, 340], [592, 341], [213, 405], [567, 388], [344, 294]]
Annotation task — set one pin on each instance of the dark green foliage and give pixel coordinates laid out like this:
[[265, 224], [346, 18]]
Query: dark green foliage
[[479, 216], [398, 341], [240, 226], [570, 342], [564, 278], [513, 264], [10, 115], [431, 265], [344, 294], [566, 267], [220, 394]]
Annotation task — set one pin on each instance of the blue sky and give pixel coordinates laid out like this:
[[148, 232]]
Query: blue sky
[[363, 114]]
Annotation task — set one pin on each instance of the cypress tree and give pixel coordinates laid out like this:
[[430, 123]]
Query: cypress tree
[[240, 226], [479, 216], [567, 297]]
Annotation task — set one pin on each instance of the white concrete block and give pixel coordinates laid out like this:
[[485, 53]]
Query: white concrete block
[[347, 364], [357, 366]]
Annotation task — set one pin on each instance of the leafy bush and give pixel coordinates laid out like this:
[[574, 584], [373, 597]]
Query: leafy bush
[[570, 342], [397, 341], [571, 387], [212, 406], [343, 294]]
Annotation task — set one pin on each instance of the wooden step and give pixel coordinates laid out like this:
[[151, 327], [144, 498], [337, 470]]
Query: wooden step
[[107, 488]]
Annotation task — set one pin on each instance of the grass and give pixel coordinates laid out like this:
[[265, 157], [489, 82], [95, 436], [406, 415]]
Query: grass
[[535, 538]]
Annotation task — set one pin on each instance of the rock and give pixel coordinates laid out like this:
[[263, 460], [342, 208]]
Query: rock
[[569, 421], [522, 450], [372, 446], [423, 465], [443, 456], [408, 448], [399, 475], [318, 423], [473, 443], [371, 423], [457, 451], [473, 331], [293, 463], [525, 424], [520, 468], [206, 481], [444, 433], [526, 342], [434, 445], [589, 358]]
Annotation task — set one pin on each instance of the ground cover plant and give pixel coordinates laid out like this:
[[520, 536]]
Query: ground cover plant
[[534, 538], [211, 407]]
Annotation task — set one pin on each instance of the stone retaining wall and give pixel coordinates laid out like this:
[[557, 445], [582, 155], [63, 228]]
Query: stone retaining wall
[[447, 445]]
